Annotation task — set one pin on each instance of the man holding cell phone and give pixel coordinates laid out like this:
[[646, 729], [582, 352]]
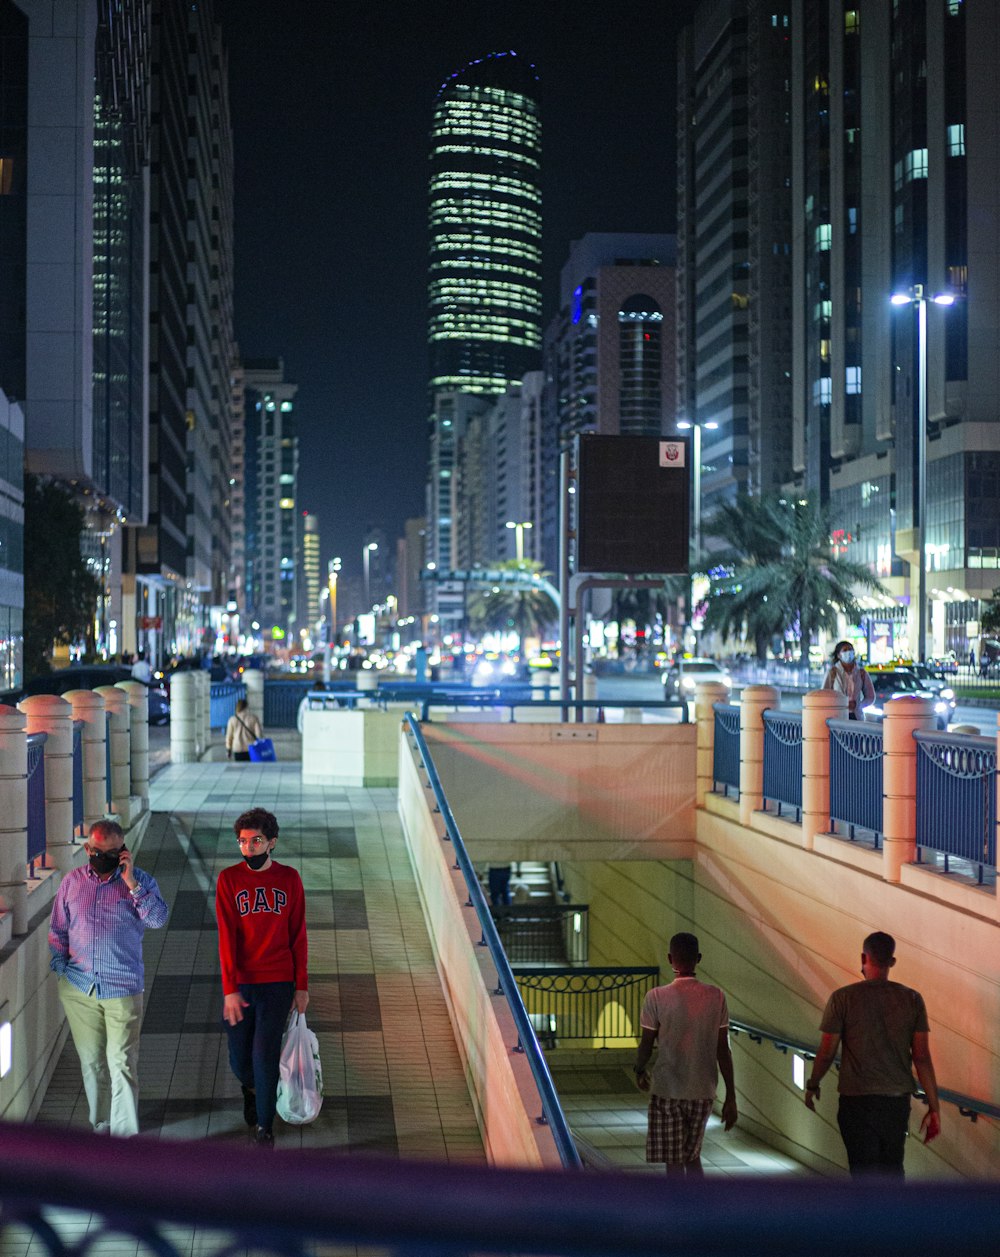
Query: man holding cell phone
[[99, 916]]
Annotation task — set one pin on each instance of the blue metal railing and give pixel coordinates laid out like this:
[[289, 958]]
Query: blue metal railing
[[36, 799], [415, 1209], [783, 759], [726, 761], [551, 1108], [77, 774], [107, 759], [223, 697], [957, 797], [281, 702], [856, 777]]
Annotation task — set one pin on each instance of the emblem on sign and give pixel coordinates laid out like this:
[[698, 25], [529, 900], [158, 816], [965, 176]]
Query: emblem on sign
[[671, 453]]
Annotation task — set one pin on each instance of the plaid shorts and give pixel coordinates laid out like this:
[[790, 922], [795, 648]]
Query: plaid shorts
[[676, 1129]]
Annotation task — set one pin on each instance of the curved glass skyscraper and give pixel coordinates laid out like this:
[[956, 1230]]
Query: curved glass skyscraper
[[485, 227]]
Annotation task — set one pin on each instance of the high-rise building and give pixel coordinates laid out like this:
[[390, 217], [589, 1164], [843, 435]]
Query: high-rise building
[[734, 245], [895, 169], [271, 482], [484, 286], [179, 562], [309, 582]]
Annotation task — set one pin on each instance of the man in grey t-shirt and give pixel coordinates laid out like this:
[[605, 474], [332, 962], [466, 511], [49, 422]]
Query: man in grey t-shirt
[[882, 1029]]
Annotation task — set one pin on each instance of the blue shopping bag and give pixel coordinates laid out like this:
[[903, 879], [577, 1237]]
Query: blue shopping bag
[[262, 751]]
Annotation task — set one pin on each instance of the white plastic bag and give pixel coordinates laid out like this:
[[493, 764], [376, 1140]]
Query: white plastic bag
[[300, 1084]]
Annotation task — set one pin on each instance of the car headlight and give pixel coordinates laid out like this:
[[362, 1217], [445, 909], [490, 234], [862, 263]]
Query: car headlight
[[941, 708], [687, 683], [727, 682], [948, 693]]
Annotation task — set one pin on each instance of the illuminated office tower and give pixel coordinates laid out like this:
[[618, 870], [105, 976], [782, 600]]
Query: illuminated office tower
[[485, 281]]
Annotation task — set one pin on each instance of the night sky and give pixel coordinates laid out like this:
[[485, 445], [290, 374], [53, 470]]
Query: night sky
[[331, 106]]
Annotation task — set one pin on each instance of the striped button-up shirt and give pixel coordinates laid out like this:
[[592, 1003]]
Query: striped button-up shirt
[[95, 934]]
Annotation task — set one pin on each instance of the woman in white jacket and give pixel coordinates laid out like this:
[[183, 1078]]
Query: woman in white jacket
[[850, 678]]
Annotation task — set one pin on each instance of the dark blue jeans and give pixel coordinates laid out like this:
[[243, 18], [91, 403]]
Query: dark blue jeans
[[255, 1042]]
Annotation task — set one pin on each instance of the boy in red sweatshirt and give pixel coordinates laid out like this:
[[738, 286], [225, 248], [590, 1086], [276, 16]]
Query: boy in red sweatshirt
[[261, 913]]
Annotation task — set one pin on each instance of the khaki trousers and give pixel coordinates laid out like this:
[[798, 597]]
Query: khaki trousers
[[106, 1036]]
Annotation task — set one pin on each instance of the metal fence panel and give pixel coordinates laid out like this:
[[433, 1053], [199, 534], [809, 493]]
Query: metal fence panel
[[598, 1005], [546, 933], [957, 796], [783, 759], [726, 763], [224, 695], [36, 797], [281, 702], [856, 776], [77, 774]]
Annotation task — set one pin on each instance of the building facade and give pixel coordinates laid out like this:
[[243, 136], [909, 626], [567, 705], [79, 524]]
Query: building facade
[[271, 486], [734, 246], [895, 166]]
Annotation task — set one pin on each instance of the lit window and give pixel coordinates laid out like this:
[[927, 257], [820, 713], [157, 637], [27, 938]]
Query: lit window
[[853, 380], [956, 140], [852, 21], [824, 234], [916, 163], [6, 175], [823, 391], [287, 504]]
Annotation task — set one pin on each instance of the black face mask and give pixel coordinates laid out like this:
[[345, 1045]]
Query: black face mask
[[105, 861], [257, 861]]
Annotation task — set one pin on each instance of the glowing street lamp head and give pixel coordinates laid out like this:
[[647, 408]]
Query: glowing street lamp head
[[901, 299], [943, 298]]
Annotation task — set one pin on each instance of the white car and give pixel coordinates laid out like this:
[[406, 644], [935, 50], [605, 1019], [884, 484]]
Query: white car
[[681, 677]]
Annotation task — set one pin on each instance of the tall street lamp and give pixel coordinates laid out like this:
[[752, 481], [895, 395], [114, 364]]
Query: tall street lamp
[[332, 573], [916, 296], [519, 536], [366, 554], [685, 425]]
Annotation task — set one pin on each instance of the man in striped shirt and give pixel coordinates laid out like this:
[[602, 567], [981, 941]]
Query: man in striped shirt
[[98, 919]]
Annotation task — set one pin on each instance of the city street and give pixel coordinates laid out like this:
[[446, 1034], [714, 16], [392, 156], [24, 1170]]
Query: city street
[[650, 687]]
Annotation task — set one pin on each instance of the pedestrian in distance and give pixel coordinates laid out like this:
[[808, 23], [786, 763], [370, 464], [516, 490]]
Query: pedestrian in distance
[[263, 952], [848, 677], [99, 916], [881, 1028], [688, 1022], [141, 671], [242, 728]]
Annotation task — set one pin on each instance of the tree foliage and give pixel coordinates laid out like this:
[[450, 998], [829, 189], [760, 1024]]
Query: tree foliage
[[990, 621], [780, 572], [523, 609], [60, 594]]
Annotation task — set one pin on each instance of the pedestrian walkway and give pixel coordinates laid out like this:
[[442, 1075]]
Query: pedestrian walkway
[[393, 1079]]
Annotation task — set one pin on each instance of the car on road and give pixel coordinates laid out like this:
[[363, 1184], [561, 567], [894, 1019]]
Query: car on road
[[89, 677], [903, 684], [680, 679], [931, 678]]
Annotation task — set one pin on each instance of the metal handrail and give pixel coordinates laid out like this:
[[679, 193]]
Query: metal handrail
[[551, 1108], [968, 1106]]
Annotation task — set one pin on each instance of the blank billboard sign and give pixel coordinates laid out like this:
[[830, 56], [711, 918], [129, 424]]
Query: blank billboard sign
[[633, 504]]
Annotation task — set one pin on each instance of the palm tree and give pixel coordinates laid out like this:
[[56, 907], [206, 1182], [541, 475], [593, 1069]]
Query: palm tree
[[753, 533], [525, 609], [789, 577]]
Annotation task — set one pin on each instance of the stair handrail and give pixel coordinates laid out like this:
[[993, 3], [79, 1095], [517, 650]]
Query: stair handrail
[[552, 1111], [968, 1106]]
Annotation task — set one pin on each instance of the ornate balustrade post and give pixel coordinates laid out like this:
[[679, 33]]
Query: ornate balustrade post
[[203, 682], [14, 817], [818, 706], [706, 696], [183, 738], [89, 707], [138, 701], [121, 746], [254, 680], [754, 701], [47, 713], [899, 780]]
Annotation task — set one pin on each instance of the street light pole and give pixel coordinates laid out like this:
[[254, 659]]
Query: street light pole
[[366, 552], [685, 425], [916, 296], [519, 536]]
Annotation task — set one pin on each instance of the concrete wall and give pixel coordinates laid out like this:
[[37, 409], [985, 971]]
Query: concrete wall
[[569, 791], [500, 1080], [780, 924]]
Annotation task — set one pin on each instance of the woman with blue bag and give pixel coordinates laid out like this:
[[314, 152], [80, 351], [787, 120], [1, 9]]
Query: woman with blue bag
[[242, 730]]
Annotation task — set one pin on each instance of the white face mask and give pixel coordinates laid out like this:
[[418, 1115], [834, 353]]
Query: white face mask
[[847, 656]]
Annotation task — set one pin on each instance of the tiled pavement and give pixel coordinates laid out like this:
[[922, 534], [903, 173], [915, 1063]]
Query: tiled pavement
[[393, 1079]]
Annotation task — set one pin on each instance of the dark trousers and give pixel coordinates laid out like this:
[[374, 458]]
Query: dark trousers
[[255, 1042], [873, 1129], [242, 756]]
